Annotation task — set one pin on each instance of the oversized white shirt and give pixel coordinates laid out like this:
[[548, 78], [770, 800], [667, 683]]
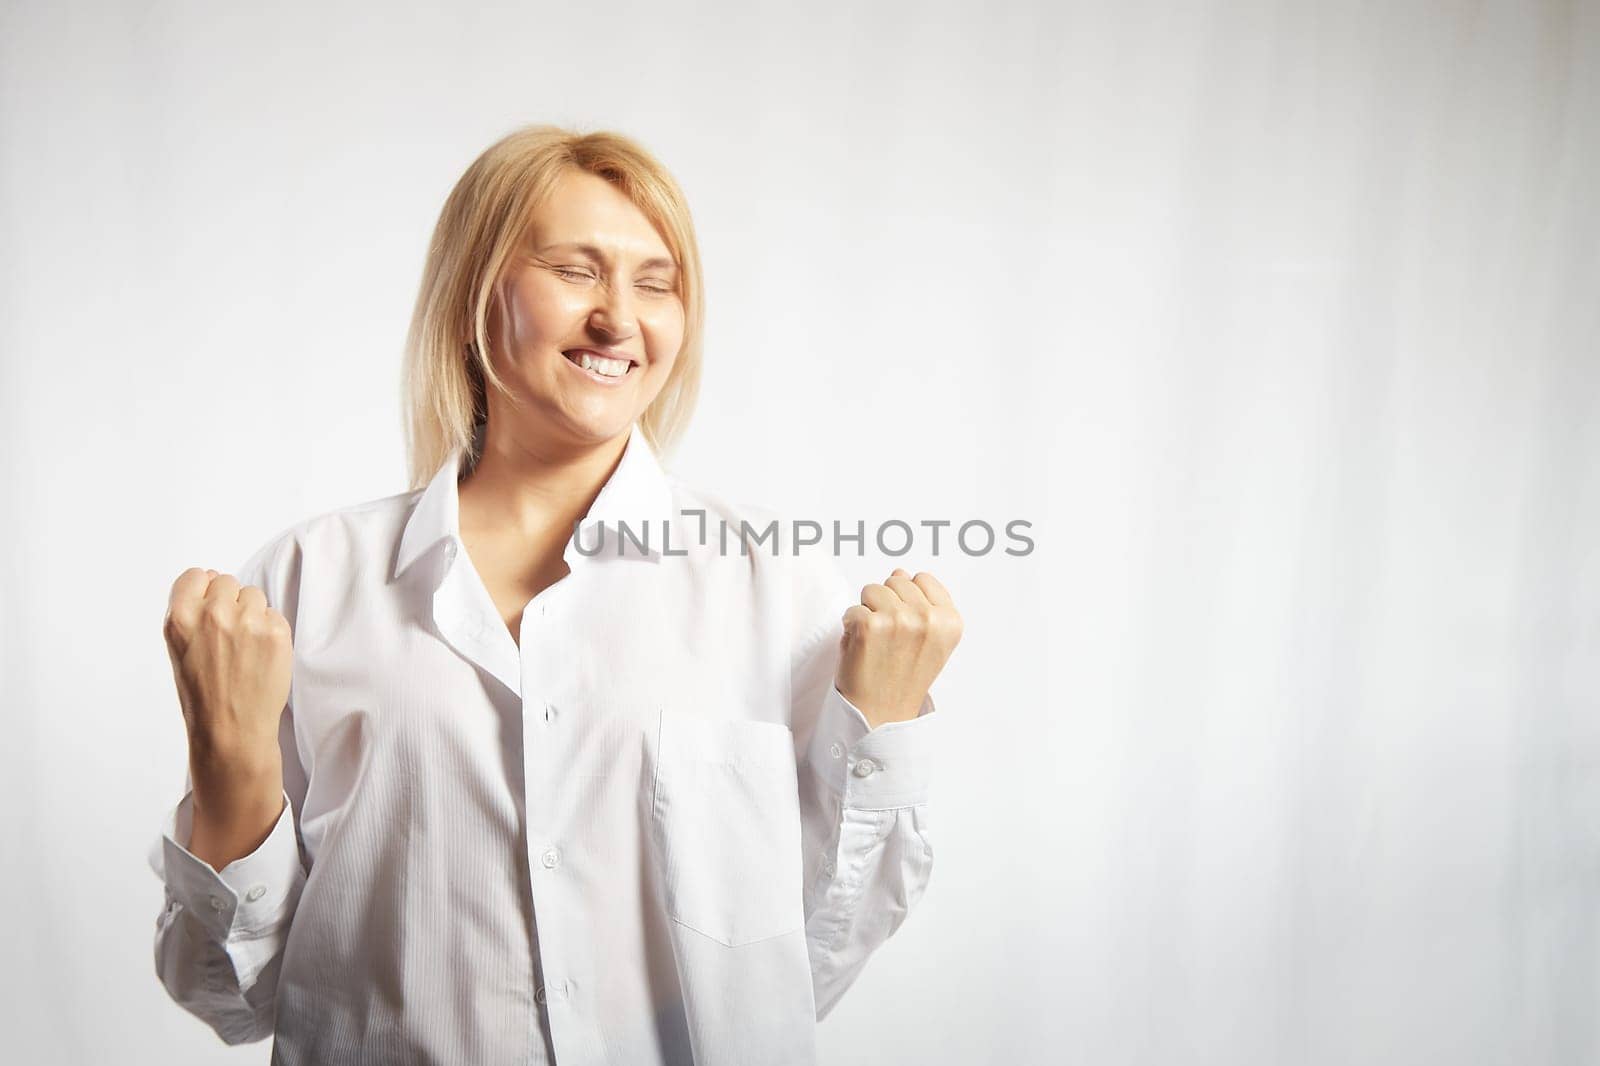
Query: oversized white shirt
[[653, 832]]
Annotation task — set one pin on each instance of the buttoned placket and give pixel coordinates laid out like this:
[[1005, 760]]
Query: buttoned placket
[[466, 617], [542, 720], [545, 618]]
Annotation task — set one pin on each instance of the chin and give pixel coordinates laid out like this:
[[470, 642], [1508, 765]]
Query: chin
[[598, 427]]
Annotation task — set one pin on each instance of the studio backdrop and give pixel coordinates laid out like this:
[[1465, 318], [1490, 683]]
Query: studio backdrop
[[1275, 323]]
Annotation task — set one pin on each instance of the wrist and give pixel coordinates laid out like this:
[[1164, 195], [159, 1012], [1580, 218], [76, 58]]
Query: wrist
[[233, 751], [219, 838], [878, 711], [226, 787]]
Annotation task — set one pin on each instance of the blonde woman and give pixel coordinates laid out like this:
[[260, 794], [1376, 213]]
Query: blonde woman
[[553, 758]]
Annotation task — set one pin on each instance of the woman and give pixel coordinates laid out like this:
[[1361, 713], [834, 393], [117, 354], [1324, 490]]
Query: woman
[[553, 758]]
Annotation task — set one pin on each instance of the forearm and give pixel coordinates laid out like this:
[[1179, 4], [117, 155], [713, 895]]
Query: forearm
[[237, 800]]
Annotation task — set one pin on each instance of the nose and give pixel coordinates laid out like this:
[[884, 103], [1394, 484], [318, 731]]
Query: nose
[[613, 315]]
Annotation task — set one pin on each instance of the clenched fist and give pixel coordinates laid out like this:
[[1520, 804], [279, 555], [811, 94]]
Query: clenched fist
[[231, 658], [896, 640]]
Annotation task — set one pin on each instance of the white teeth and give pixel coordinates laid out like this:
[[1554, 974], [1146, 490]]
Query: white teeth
[[611, 368]]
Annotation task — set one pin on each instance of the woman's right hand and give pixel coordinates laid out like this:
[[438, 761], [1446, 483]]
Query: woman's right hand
[[232, 657]]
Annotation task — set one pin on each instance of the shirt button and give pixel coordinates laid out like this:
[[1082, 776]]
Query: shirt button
[[865, 767], [827, 867], [539, 995], [835, 749], [450, 550], [255, 893], [218, 903], [551, 858]]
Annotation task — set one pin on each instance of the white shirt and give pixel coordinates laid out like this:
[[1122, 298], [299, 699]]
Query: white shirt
[[654, 832]]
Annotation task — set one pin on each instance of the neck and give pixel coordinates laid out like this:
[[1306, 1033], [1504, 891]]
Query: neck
[[526, 487]]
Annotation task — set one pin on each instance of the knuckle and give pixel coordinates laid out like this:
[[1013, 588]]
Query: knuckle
[[217, 614]]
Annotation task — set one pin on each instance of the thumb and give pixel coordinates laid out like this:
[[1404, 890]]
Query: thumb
[[852, 620]]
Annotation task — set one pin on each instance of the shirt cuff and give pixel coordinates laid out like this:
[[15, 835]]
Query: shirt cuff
[[247, 896], [872, 768]]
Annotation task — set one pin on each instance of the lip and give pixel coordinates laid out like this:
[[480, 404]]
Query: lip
[[604, 353], [600, 379]]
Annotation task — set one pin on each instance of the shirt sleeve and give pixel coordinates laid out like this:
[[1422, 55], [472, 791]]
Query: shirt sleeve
[[220, 934], [863, 798]]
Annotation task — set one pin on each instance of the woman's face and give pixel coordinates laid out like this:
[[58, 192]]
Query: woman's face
[[592, 274]]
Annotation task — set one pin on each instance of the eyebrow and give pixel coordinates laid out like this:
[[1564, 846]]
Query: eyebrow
[[595, 253]]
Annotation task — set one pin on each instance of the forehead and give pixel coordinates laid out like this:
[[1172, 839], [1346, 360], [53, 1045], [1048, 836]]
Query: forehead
[[585, 209]]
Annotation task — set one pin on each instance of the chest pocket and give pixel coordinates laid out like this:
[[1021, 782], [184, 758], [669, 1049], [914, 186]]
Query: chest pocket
[[726, 814]]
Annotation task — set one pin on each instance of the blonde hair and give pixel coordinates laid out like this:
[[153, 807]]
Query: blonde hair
[[485, 216]]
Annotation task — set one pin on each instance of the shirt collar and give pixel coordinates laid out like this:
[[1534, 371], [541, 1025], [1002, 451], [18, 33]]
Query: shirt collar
[[637, 492]]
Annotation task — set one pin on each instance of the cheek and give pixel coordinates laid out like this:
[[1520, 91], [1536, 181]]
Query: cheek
[[538, 313], [665, 330]]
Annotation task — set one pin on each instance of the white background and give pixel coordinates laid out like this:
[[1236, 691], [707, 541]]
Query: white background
[[1278, 321]]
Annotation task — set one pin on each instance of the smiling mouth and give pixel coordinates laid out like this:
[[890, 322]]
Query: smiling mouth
[[597, 366]]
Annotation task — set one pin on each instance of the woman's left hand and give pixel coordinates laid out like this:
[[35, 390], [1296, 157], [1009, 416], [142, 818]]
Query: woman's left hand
[[896, 640]]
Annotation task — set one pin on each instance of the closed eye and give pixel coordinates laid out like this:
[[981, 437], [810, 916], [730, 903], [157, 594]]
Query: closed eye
[[573, 274]]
